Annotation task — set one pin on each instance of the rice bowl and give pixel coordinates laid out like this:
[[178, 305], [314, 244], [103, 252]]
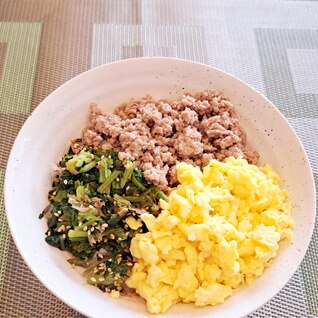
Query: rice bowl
[[64, 115]]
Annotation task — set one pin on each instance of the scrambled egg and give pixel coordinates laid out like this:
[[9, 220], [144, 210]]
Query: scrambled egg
[[219, 229]]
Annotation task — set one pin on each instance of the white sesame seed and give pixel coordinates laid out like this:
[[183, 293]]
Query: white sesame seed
[[61, 228], [88, 232], [110, 260], [56, 214], [117, 179], [85, 228], [93, 279], [93, 241], [128, 188], [101, 279], [92, 229], [111, 236], [65, 181], [120, 239], [129, 264], [59, 212]]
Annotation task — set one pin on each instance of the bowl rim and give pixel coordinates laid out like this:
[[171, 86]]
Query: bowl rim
[[44, 105]]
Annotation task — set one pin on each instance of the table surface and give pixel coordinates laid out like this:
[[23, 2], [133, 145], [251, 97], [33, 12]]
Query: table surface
[[271, 45]]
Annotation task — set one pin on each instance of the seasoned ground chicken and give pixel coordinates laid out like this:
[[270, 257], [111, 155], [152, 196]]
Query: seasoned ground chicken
[[158, 134]]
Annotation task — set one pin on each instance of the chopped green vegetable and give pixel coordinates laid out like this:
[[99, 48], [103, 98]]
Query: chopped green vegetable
[[159, 193], [104, 166], [62, 194], [138, 183], [129, 168], [77, 235], [90, 199], [121, 202], [80, 163], [105, 186]]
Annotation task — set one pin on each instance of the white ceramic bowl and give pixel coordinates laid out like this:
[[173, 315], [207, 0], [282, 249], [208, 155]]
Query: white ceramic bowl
[[45, 137]]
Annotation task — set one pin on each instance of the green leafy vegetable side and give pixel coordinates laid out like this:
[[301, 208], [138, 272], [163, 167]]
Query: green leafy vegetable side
[[91, 197]]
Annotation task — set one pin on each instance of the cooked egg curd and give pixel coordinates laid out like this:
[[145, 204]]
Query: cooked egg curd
[[219, 229]]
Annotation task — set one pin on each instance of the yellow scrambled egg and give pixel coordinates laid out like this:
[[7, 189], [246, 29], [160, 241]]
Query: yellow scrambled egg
[[219, 229]]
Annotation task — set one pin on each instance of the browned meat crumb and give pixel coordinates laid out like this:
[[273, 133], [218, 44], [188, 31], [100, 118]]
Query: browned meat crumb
[[158, 134], [77, 145]]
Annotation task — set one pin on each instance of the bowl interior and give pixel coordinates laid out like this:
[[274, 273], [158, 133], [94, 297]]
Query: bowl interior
[[61, 116]]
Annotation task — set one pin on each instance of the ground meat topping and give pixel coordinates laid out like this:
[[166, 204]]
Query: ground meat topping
[[188, 143], [158, 134]]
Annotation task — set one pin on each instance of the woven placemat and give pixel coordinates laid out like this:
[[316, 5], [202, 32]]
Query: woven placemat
[[272, 45]]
